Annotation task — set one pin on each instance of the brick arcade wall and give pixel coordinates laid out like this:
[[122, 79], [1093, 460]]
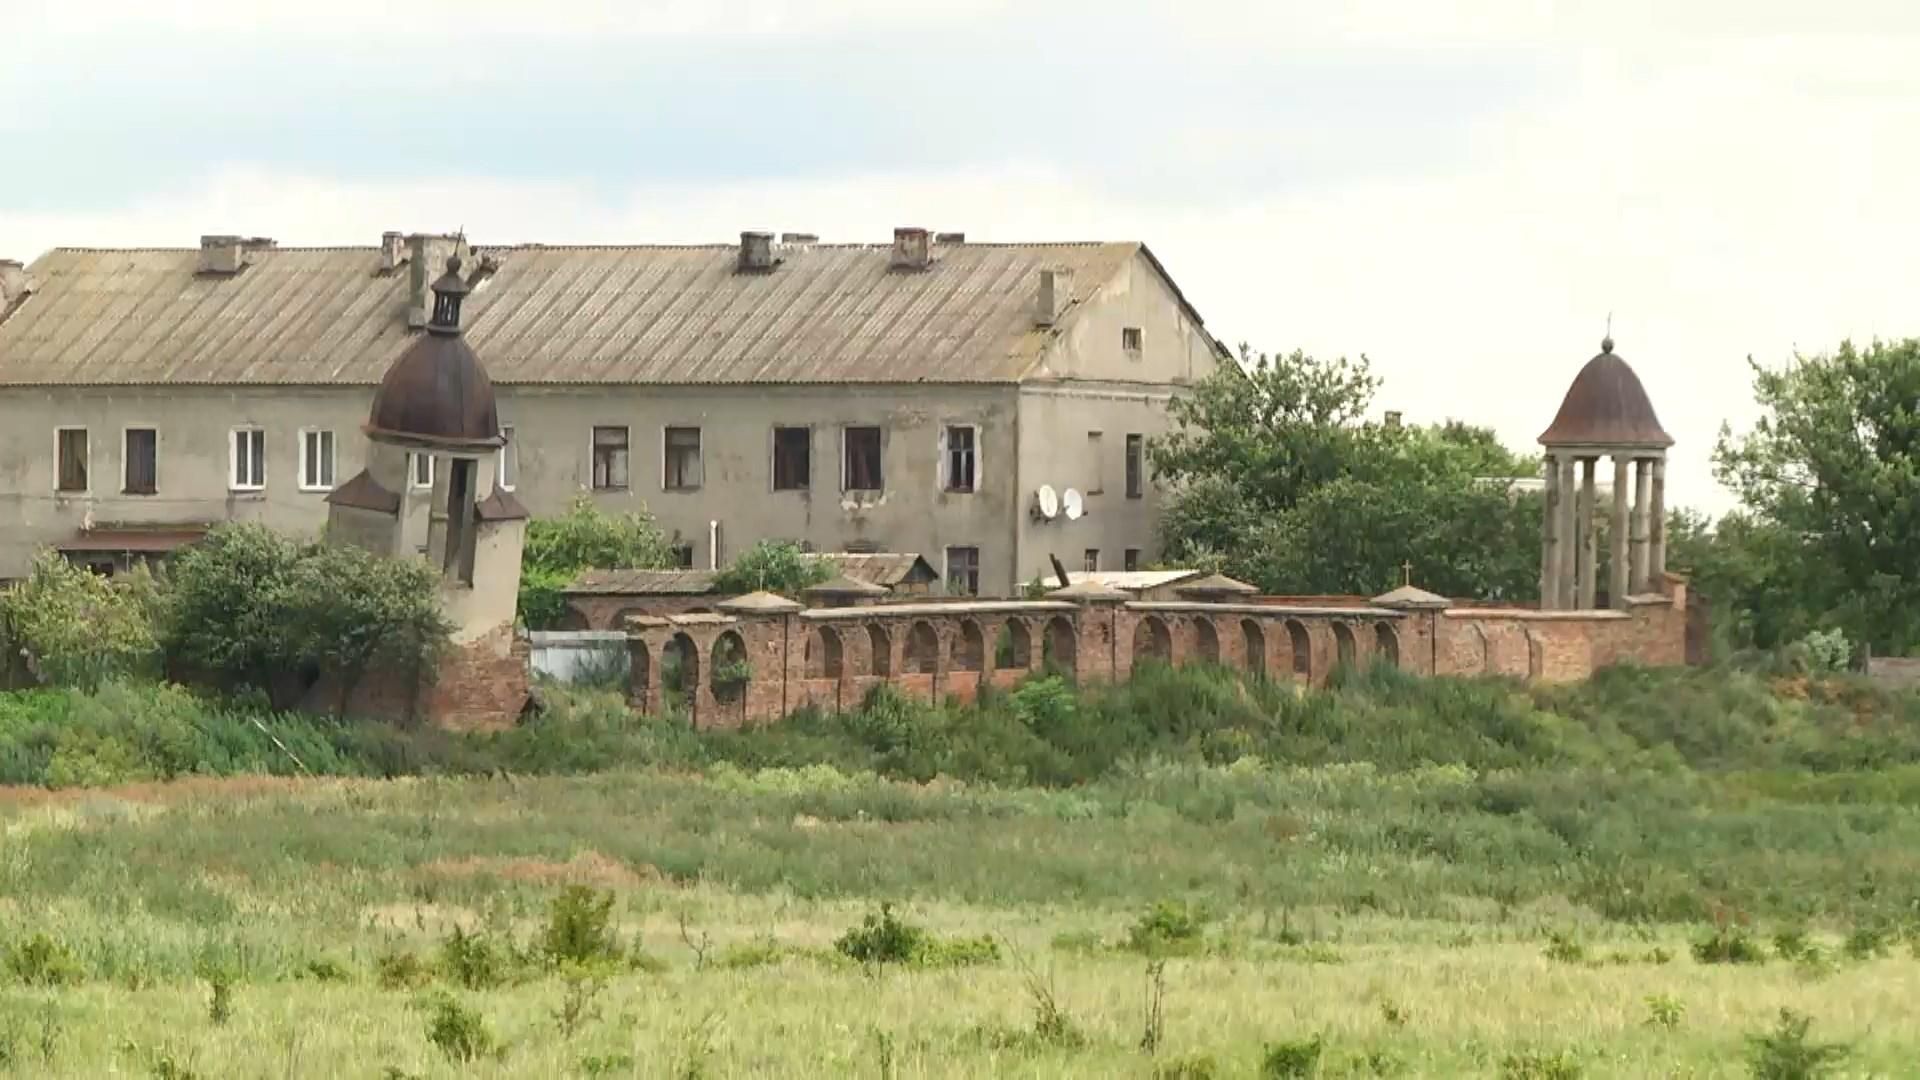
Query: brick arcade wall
[[832, 658], [481, 685], [589, 612]]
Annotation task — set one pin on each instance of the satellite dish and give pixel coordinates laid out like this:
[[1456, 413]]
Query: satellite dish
[[1073, 503], [1047, 502]]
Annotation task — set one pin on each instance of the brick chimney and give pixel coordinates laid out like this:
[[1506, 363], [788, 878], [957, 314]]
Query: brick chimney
[[912, 249], [756, 253], [426, 256], [15, 285], [393, 251], [224, 256], [1053, 296]]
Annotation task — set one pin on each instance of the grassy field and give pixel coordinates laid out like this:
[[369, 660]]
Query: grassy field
[[1426, 921]]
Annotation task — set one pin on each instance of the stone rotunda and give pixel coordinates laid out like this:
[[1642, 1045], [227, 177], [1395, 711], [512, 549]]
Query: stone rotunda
[[1605, 414]]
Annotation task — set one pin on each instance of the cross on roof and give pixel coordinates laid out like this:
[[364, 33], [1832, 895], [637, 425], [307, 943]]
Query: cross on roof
[[1406, 573]]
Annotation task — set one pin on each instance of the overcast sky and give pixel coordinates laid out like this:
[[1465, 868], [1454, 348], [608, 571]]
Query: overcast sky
[[1460, 190]]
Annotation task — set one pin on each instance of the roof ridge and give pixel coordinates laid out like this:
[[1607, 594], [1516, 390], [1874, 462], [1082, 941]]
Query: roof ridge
[[535, 245]]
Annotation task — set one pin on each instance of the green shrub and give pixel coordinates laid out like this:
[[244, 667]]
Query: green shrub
[[1189, 1067], [1168, 928], [1541, 1065], [460, 1033], [41, 960], [579, 928], [398, 969], [1290, 1058], [776, 566], [473, 961], [1785, 1053], [1665, 1011], [77, 628], [325, 969], [1791, 943], [557, 549], [1565, 949], [1729, 945], [883, 938], [1869, 942]]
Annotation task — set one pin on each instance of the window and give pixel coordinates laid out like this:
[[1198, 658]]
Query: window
[[509, 468], [422, 470], [683, 556], [1131, 560], [1090, 562], [792, 458], [960, 459], [70, 445], [1130, 341], [1096, 464], [1136, 465], [681, 459], [963, 571], [247, 451], [316, 460], [862, 472], [609, 458], [141, 475]]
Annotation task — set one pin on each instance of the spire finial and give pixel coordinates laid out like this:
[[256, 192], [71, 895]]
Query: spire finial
[[1606, 343]]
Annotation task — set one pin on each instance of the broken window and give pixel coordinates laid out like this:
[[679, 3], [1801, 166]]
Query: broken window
[[792, 458], [1136, 465], [248, 453], [143, 468], [963, 571], [1130, 561], [1090, 562], [683, 556], [960, 458], [609, 458], [1130, 341], [509, 468], [681, 464], [71, 444], [862, 472], [316, 460]]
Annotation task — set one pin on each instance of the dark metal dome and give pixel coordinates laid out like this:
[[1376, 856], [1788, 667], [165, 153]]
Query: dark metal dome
[[437, 394], [1606, 406]]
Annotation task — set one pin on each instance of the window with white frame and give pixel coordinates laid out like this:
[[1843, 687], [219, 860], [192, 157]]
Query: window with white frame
[[422, 470], [962, 458], [316, 460], [509, 477], [70, 447], [247, 458]]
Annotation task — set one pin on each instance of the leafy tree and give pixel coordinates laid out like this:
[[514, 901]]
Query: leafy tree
[[220, 621], [585, 537], [77, 628], [774, 565], [1281, 481], [1829, 479], [341, 608]]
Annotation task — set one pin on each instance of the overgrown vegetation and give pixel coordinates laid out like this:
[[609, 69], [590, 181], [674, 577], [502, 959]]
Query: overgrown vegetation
[[585, 537], [777, 566]]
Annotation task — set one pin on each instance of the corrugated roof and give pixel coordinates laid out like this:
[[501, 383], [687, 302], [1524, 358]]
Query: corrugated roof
[[1130, 580], [888, 568], [885, 569], [1606, 406], [557, 315]]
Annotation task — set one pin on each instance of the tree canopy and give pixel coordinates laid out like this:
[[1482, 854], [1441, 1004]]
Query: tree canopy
[[1829, 483], [1279, 478], [777, 566], [584, 538]]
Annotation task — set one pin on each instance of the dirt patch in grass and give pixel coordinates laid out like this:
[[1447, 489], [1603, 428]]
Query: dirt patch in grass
[[585, 868]]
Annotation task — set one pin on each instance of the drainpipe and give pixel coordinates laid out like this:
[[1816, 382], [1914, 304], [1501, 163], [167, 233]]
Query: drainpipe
[[713, 545]]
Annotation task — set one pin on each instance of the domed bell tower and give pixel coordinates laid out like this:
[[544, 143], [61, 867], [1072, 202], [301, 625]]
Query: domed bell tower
[[434, 415]]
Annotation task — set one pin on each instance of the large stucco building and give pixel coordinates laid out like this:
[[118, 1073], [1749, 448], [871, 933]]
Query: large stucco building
[[911, 397]]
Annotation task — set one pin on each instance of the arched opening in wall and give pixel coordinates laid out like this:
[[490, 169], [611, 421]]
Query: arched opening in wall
[[639, 672], [879, 651], [1061, 648], [1536, 656], [1206, 641], [1151, 641], [620, 617], [1481, 660], [1344, 650], [825, 657], [970, 648], [1302, 650], [923, 650], [679, 674], [1013, 646], [731, 672], [1386, 645], [571, 619], [1254, 647]]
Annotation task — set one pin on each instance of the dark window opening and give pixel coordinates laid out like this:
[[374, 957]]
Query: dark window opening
[[609, 458], [683, 556], [682, 459], [960, 458], [143, 477], [863, 459], [458, 562], [1136, 465], [73, 460], [1130, 561], [1091, 560], [792, 458], [1130, 339], [963, 571]]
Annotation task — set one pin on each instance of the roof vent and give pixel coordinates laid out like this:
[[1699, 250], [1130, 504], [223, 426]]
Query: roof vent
[[911, 249], [1055, 293], [393, 251], [756, 252], [227, 255], [950, 238], [14, 285]]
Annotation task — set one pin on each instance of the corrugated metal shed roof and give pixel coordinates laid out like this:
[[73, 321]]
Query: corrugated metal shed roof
[[885, 569], [549, 315], [1130, 580]]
